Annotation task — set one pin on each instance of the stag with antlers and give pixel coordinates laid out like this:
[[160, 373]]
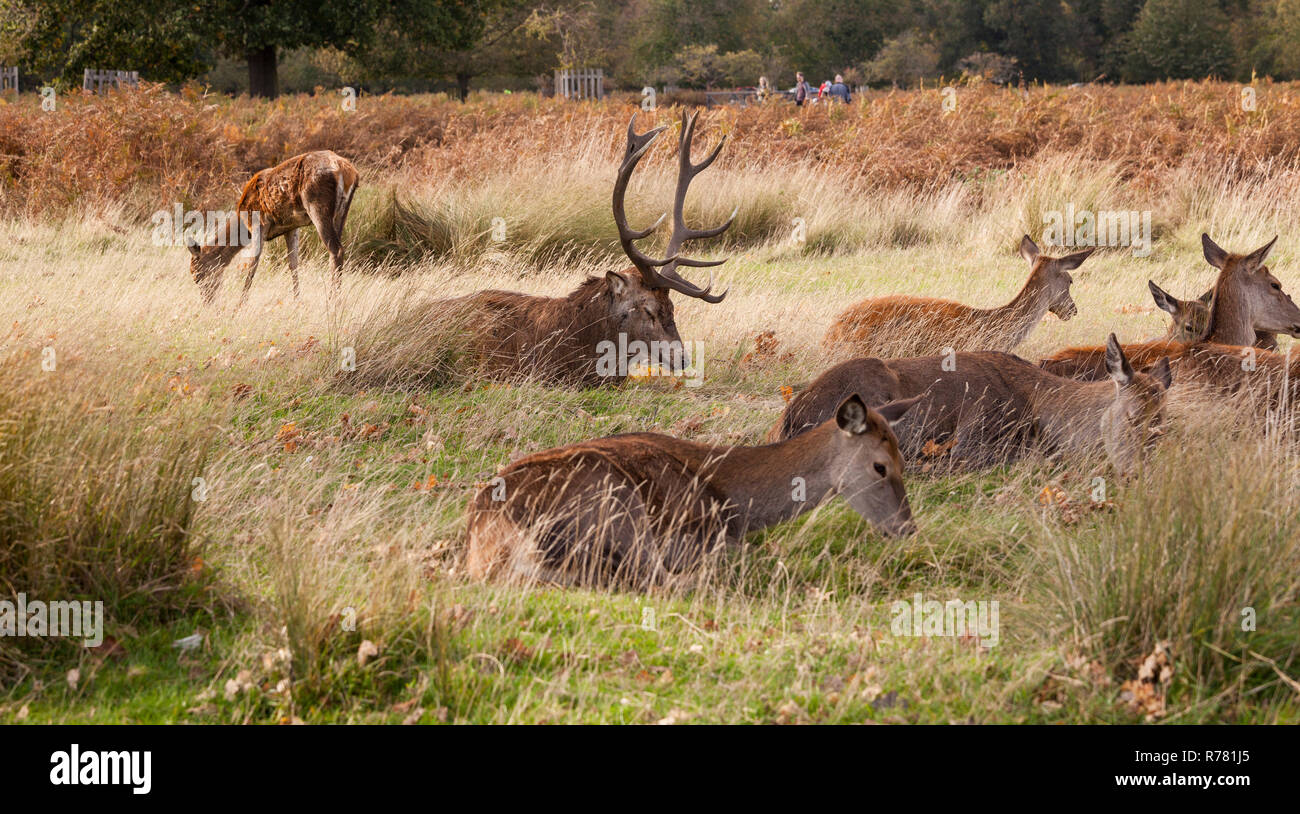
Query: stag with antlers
[[560, 339]]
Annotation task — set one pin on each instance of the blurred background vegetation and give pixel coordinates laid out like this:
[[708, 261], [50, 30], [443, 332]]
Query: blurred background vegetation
[[273, 46]]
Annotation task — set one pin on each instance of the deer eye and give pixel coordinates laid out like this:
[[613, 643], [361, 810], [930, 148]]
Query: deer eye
[[1277, 286], [880, 469]]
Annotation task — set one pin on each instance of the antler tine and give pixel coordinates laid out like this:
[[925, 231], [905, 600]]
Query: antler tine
[[637, 146], [681, 232]]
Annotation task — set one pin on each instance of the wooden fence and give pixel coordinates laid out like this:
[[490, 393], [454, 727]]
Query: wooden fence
[[99, 81], [9, 79], [584, 83]]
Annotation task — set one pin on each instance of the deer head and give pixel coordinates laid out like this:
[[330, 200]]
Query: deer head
[[868, 466], [1190, 317], [207, 264], [639, 300], [1135, 419], [1247, 286], [1051, 276]]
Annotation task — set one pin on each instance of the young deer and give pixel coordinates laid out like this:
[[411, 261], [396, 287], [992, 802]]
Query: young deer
[[1190, 318], [639, 508], [559, 338], [310, 189], [990, 408], [916, 326], [1248, 305]]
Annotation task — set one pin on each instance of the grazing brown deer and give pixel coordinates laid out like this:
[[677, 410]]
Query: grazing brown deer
[[310, 189], [987, 408], [642, 507], [917, 326], [1248, 304], [566, 339]]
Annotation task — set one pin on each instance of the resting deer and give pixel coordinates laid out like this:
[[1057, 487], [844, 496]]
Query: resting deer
[[1190, 318], [560, 338], [310, 189], [642, 507], [916, 326], [1248, 304], [989, 408]]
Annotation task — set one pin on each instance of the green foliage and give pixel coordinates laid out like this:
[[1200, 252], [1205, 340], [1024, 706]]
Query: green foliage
[[1178, 39]]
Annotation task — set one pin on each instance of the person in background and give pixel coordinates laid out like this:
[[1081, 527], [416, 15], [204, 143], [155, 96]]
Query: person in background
[[823, 90], [801, 89], [764, 89], [840, 91]]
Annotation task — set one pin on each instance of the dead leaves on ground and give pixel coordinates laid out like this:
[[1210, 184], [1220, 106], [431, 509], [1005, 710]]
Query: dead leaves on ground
[[1147, 693]]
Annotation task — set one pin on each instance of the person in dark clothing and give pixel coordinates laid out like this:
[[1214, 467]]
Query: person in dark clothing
[[840, 91], [801, 89]]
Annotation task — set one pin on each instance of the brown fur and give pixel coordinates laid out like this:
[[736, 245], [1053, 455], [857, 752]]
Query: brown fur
[[991, 408], [642, 507], [1247, 301], [557, 339], [900, 325], [312, 189]]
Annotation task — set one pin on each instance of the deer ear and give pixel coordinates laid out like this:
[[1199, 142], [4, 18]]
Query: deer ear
[[617, 284], [1029, 249], [1164, 301], [1161, 372], [1116, 363], [896, 409], [1255, 260], [851, 416], [1073, 261], [1207, 297], [1213, 254]]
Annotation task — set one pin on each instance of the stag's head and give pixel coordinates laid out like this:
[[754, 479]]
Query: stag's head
[[1270, 309], [638, 298], [869, 467], [1190, 317], [1051, 275], [1135, 420]]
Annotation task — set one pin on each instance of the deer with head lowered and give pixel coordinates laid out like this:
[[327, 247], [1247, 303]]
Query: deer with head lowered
[[1248, 305], [568, 339], [312, 189], [643, 507], [1190, 318], [918, 326], [986, 408]]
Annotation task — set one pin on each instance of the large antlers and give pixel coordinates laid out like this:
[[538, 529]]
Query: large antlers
[[667, 277]]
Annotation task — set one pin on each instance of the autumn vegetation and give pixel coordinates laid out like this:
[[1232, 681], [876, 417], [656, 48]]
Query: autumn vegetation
[[322, 561]]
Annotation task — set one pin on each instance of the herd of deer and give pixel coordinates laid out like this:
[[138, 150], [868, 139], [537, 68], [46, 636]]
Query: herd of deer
[[644, 507]]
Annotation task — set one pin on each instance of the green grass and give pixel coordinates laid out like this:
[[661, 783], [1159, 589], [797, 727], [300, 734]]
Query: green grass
[[308, 527]]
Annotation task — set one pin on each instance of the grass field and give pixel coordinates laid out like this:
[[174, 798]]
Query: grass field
[[320, 553]]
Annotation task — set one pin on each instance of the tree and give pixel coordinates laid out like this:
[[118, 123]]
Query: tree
[[1178, 39], [61, 38], [904, 60]]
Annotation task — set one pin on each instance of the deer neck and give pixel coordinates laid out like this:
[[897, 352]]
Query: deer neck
[[1018, 317], [1230, 318], [765, 483]]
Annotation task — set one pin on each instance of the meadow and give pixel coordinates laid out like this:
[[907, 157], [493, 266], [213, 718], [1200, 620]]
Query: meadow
[[213, 471]]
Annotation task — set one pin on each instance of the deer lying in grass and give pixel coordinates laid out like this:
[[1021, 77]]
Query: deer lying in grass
[[989, 408], [642, 507], [1190, 318], [917, 326], [312, 189], [561, 338], [1248, 302]]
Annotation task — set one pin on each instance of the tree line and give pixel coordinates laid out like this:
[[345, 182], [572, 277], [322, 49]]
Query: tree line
[[419, 44]]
